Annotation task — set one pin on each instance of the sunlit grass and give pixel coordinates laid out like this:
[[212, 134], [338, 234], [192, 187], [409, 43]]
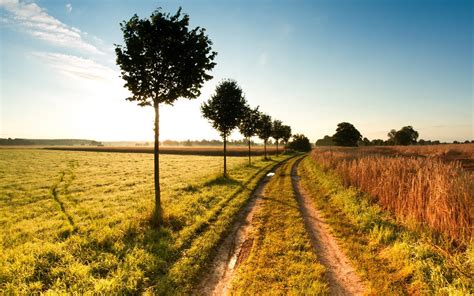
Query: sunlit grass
[[79, 221], [281, 260]]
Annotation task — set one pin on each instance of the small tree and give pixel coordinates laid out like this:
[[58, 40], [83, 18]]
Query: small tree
[[264, 130], [249, 125], [277, 132], [286, 134], [163, 60], [300, 143], [224, 110], [346, 135]]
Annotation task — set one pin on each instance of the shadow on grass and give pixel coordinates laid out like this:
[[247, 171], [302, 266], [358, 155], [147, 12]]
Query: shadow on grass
[[221, 180], [192, 188], [286, 204]]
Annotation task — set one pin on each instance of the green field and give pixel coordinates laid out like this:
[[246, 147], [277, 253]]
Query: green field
[[79, 221]]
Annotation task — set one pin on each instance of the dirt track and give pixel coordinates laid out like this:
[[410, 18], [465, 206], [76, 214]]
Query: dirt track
[[341, 275], [237, 245]]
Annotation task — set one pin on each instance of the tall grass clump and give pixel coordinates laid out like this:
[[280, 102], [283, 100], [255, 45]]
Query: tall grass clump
[[420, 191]]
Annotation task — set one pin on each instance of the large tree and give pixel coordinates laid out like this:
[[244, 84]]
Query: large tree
[[264, 130], [224, 110], [162, 60], [346, 135], [405, 136], [249, 125], [278, 132]]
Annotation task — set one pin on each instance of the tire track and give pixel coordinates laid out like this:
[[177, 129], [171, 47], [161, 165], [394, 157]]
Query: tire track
[[235, 247], [54, 191], [341, 276]]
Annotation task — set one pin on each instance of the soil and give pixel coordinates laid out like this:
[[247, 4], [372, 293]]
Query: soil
[[342, 278]]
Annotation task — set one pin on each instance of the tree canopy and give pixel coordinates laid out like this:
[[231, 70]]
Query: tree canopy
[[300, 143], [225, 110], [264, 130], [249, 124], [277, 130], [346, 135], [286, 133], [405, 136], [226, 107], [163, 59]]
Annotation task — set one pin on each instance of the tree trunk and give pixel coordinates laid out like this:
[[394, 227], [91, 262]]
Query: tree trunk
[[265, 148], [225, 155], [250, 161], [277, 146], [156, 153]]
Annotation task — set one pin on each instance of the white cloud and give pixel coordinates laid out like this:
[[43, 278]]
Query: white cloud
[[68, 7], [77, 67], [38, 23]]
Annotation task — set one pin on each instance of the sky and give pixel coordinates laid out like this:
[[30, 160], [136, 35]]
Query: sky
[[379, 65]]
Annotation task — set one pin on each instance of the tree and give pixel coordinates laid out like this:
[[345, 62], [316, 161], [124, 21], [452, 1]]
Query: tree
[[278, 132], [161, 61], [224, 110], [405, 136], [249, 125], [346, 135], [300, 143], [286, 134], [264, 130], [325, 141]]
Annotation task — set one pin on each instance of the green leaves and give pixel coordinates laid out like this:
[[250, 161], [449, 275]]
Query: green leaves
[[265, 127], [249, 124], [226, 107], [162, 59], [346, 135]]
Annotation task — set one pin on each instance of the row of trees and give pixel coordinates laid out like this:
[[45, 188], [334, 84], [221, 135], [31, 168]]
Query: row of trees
[[347, 135], [162, 59], [227, 109]]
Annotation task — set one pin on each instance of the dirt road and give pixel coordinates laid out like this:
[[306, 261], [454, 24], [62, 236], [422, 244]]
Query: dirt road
[[341, 275], [237, 245]]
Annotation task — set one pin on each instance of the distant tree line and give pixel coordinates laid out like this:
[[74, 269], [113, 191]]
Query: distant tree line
[[47, 142], [347, 135]]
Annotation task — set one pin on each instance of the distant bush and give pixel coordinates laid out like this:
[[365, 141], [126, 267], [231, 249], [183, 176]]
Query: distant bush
[[300, 143]]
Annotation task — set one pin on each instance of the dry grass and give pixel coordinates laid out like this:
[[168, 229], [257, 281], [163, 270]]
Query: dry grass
[[393, 259], [423, 191], [462, 153]]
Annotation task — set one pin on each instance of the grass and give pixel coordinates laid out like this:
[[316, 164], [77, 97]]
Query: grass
[[175, 150], [76, 222], [417, 190], [281, 260], [394, 259]]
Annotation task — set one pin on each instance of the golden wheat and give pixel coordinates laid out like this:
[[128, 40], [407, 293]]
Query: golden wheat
[[424, 190]]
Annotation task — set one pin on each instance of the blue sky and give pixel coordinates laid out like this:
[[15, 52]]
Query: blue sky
[[312, 64]]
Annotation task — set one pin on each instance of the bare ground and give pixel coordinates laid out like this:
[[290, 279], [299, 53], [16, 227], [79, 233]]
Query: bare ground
[[341, 276], [234, 249]]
